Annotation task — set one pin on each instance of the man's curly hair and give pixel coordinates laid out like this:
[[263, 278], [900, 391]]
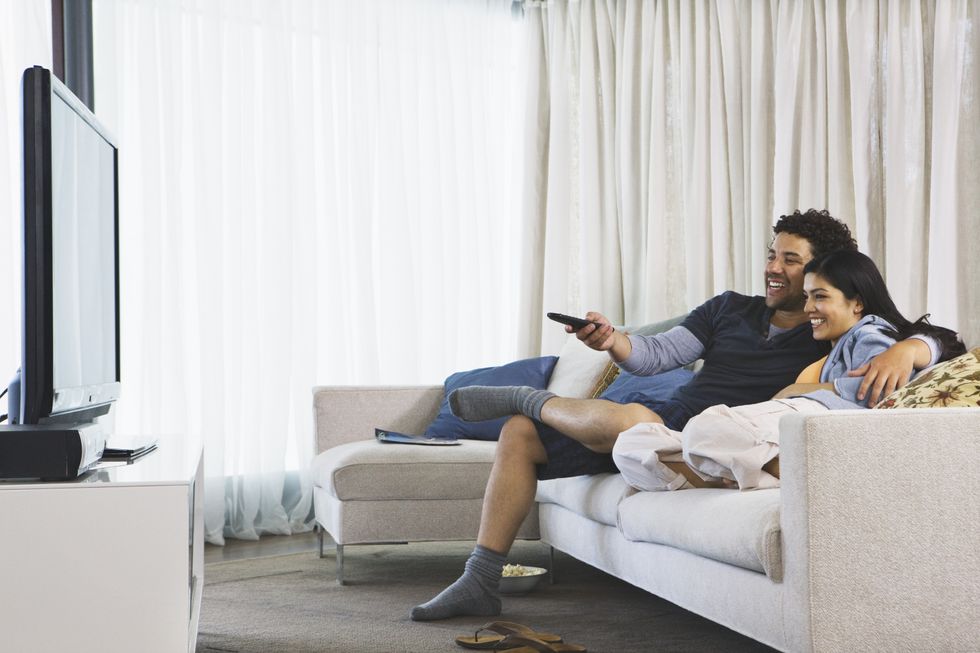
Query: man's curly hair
[[824, 232]]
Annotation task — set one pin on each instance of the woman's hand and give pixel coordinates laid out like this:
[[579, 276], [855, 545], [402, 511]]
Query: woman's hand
[[891, 369]]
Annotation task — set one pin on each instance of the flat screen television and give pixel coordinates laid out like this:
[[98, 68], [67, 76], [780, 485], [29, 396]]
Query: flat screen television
[[70, 349]]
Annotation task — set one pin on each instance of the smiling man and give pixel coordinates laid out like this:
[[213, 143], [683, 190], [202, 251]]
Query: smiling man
[[799, 238], [751, 347]]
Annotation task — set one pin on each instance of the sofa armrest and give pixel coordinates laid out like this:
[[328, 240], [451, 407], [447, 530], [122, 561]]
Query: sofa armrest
[[344, 414], [880, 515]]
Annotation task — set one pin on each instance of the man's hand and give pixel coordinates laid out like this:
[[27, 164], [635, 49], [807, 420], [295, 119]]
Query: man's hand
[[601, 336], [891, 369], [598, 336]]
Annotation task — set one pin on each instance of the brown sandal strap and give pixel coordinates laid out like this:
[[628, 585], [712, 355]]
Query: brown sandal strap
[[515, 641], [511, 628]]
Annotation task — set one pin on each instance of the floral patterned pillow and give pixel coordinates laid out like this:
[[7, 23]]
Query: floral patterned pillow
[[953, 383]]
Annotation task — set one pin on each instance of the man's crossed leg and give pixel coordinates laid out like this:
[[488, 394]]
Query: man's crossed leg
[[594, 423]]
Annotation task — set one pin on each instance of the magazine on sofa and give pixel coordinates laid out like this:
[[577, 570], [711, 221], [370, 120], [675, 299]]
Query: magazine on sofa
[[383, 435]]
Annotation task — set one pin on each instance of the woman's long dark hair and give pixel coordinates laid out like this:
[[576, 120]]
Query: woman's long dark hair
[[856, 276]]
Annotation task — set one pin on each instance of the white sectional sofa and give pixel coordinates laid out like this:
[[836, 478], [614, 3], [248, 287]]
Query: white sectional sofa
[[872, 543]]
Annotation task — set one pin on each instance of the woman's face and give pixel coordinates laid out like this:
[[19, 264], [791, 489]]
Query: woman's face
[[831, 313]]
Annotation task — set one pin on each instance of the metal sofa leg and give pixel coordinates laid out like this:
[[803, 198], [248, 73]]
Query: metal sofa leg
[[340, 564], [551, 565], [339, 548]]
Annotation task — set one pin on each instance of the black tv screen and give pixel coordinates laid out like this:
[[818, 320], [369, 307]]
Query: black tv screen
[[70, 360]]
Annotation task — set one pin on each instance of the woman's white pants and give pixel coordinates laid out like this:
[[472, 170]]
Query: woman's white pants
[[721, 443]]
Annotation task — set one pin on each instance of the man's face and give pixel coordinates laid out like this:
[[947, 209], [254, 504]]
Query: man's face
[[784, 272]]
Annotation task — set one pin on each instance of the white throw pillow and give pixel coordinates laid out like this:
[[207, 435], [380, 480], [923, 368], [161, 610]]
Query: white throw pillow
[[578, 370]]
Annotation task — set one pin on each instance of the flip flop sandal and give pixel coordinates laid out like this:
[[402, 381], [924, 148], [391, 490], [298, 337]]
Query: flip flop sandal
[[524, 644], [502, 629]]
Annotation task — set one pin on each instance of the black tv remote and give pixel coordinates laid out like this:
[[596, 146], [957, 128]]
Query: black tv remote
[[574, 322]]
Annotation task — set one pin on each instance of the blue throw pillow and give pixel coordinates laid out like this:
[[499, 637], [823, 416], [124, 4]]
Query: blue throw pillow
[[534, 372], [629, 388]]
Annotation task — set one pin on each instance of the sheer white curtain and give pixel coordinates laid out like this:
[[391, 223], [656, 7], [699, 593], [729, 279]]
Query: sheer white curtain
[[311, 193], [25, 41], [670, 135]]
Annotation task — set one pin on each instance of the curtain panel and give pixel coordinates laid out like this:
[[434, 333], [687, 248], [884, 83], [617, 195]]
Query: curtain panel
[[312, 193], [26, 42], [669, 136]]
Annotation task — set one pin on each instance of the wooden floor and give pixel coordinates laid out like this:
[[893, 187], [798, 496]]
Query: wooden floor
[[267, 545]]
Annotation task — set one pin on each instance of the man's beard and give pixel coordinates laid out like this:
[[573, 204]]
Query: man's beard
[[789, 304]]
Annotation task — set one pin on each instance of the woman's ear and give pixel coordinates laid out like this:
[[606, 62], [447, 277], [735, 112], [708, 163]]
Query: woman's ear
[[858, 306]]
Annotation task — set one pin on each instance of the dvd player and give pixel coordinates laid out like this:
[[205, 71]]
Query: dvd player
[[49, 451]]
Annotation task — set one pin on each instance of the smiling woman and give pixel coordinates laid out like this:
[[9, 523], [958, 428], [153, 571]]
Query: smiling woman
[[831, 313], [313, 193]]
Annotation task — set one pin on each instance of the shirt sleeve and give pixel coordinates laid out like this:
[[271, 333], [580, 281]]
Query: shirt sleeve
[[701, 322], [933, 345], [661, 352], [869, 342]]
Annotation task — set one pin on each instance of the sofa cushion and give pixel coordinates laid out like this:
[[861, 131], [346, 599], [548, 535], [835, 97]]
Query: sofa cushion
[[584, 373], [533, 372], [740, 528], [656, 327], [578, 370], [370, 470], [955, 383], [630, 387], [596, 497]]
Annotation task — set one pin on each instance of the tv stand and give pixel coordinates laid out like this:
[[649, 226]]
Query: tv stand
[[112, 561]]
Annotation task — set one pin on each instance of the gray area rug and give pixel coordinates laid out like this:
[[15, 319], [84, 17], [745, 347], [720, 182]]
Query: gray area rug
[[293, 603]]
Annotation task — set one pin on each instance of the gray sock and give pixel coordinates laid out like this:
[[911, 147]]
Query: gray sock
[[479, 402], [474, 593]]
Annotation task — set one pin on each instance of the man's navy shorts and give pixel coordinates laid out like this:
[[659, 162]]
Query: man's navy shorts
[[568, 457]]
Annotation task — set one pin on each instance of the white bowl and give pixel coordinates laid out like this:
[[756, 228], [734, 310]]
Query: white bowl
[[522, 584]]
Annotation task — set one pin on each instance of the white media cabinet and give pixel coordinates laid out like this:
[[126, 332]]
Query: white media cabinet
[[113, 561]]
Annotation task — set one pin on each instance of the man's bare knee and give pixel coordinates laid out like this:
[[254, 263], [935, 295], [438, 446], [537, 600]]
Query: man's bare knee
[[627, 416], [519, 438], [634, 414]]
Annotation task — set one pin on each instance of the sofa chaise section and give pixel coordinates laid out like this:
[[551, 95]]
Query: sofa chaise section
[[365, 492]]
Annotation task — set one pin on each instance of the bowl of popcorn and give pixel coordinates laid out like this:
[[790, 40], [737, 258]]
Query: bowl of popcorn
[[519, 579]]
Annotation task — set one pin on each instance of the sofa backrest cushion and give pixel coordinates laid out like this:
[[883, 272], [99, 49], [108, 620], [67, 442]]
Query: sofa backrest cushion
[[659, 387], [577, 372], [584, 373], [534, 372], [655, 327]]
